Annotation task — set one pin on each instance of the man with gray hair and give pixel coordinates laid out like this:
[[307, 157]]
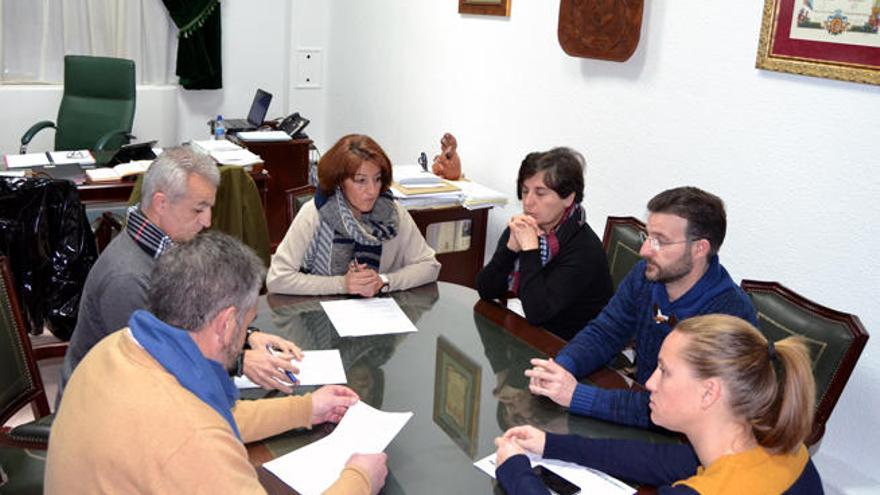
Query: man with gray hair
[[177, 195], [151, 409]]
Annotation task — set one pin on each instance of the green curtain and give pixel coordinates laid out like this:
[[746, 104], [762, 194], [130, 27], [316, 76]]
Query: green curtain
[[198, 49]]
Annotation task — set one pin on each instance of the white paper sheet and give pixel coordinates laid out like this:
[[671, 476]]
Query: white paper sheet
[[515, 305], [361, 317], [26, 161], [263, 136], [589, 480], [313, 468], [316, 368], [83, 157]]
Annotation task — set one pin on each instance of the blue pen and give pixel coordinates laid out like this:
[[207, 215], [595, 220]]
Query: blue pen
[[273, 353]]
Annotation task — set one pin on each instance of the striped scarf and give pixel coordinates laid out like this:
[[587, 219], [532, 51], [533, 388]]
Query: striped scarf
[[342, 238], [548, 244]]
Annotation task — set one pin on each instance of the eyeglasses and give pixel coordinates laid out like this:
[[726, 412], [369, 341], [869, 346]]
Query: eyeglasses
[[657, 244]]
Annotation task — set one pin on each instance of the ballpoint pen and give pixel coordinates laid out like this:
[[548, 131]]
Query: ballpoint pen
[[275, 354]]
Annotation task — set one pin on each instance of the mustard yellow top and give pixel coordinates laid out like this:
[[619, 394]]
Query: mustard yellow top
[[754, 471]]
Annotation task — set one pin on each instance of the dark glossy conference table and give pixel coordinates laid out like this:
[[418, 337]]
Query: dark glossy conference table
[[461, 374]]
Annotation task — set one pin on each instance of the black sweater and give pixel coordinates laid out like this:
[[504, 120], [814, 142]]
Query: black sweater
[[562, 296]]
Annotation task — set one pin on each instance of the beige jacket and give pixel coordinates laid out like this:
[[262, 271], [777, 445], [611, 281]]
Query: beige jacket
[[126, 425], [406, 260]]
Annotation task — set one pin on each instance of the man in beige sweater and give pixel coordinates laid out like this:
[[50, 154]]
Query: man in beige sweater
[[151, 408]]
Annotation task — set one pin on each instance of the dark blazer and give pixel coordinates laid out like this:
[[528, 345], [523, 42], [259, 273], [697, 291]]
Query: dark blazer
[[562, 296]]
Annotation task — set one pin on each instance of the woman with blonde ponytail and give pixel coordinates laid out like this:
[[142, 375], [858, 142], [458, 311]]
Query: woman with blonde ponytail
[[745, 404]]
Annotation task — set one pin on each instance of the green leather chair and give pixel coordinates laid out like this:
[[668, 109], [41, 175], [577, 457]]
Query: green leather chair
[[622, 244], [296, 197], [20, 382], [835, 340], [25, 469], [97, 108]]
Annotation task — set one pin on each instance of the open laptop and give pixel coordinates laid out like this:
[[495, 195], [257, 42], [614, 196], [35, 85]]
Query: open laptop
[[255, 117]]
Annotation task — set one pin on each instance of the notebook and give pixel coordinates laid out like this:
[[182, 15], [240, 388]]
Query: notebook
[[255, 117]]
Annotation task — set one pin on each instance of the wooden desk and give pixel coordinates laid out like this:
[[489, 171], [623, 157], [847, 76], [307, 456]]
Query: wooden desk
[[459, 267], [288, 164], [94, 194], [399, 373]]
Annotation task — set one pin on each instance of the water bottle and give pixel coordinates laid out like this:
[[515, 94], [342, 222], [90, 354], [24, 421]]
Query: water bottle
[[219, 129]]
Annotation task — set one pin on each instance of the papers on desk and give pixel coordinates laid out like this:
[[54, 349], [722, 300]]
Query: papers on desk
[[227, 153], [313, 468], [26, 161], [82, 157], [479, 196], [515, 304], [263, 136], [413, 175], [117, 173], [589, 480], [209, 145], [79, 157], [362, 317], [316, 368], [240, 157]]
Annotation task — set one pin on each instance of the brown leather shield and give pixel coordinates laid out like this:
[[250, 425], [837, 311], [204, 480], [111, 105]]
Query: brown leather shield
[[603, 29]]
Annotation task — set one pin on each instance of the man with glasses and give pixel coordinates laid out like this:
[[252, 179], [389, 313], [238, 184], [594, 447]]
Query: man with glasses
[[680, 277]]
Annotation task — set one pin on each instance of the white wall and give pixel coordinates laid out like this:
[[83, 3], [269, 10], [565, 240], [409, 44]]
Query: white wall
[[794, 157]]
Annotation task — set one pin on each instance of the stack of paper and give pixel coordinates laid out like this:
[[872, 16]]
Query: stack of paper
[[26, 161], [240, 158], [210, 145], [227, 153], [414, 175], [263, 136], [82, 157], [479, 196], [117, 173]]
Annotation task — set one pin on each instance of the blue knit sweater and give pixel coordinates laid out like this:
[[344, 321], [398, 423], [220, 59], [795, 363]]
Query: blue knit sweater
[[630, 314], [658, 465]]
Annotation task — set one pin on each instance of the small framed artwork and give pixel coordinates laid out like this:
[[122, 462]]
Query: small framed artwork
[[484, 7], [835, 39], [457, 395]]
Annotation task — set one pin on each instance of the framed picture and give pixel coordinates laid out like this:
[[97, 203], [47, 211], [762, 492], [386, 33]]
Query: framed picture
[[484, 7], [457, 395], [835, 39]]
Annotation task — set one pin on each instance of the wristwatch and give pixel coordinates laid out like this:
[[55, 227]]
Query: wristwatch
[[386, 287], [250, 331]]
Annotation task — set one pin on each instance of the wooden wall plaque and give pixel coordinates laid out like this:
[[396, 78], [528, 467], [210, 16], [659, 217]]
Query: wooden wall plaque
[[603, 29]]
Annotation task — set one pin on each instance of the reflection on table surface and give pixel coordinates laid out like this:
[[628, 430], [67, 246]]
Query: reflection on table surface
[[461, 374]]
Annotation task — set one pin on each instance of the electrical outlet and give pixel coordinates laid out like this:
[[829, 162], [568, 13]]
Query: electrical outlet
[[309, 67]]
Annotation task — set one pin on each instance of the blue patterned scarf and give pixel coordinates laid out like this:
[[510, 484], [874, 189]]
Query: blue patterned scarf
[[342, 238], [178, 354]]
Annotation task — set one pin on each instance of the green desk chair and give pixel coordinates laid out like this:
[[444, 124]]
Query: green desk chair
[[24, 468], [20, 382], [835, 340], [97, 108], [622, 244], [296, 197]]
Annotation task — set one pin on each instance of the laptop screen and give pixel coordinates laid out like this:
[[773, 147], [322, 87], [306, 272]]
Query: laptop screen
[[259, 107]]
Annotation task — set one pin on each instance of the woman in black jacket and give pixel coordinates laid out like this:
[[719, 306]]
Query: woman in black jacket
[[548, 256]]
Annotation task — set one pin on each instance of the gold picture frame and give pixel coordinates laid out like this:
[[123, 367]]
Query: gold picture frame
[[457, 395], [797, 39], [484, 7]]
